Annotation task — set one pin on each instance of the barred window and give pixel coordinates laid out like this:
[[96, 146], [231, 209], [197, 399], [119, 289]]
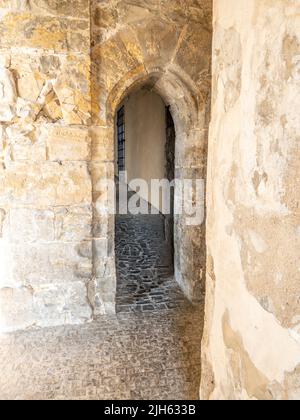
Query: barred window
[[121, 138]]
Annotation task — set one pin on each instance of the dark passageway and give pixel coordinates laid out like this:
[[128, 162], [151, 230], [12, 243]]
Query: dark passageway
[[144, 257], [145, 136]]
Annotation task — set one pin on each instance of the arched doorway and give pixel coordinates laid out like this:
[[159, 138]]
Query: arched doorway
[[189, 113], [144, 232]]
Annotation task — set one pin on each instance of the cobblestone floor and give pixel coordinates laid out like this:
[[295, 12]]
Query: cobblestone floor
[[144, 265], [149, 350], [152, 355]]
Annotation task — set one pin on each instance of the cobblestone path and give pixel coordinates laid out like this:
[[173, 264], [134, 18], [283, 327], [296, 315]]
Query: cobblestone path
[[149, 350], [151, 355], [144, 265]]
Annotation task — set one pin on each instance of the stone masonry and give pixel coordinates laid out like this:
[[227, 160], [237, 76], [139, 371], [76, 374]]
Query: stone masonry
[[64, 69], [46, 245]]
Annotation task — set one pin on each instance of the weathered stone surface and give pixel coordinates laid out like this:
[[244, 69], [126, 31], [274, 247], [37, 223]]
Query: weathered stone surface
[[194, 54], [31, 225], [102, 144], [102, 294], [118, 56], [45, 32], [76, 8], [68, 144], [8, 95], [102, 175], [45, 88], [59, 101], [48, 184], [251, 343], [30, 83], [45, 184], [37, 264], [229, 65], [72, 88], [104, 261], [16, 308], [165, 46], [67, 224], [58, 304], [6, 261], [61, 81], [103, 225], [25, 142], [159, 42], [2, 220], [73, 223], [54, 304], [191, 151], [43, 172]]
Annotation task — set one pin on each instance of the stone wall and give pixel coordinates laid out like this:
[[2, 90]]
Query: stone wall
[[45, 154], [64, 68], [252, 339]]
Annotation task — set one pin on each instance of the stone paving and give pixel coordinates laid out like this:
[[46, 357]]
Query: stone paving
[[149, 350], [151, 355], [144, 265]]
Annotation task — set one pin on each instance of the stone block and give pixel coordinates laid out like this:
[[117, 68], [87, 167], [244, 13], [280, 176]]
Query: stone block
[[103, 248], [46, 32], [73, 223], [102, 293], [61, 303], [103, 225], [52, 87], [31, 225], [8, 95], [68, 144], [16, 309], [73, 90], [37, 264], [50, 305], [48, 184], [105, 267], [102, 144], [194, 54], [74, 8], [26, 142], [159, 42], [102, 174], [191, 150]]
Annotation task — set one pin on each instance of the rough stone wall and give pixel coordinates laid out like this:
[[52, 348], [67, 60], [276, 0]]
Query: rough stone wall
[[57, 108], [164, 45], [45, 153], [251, 346]]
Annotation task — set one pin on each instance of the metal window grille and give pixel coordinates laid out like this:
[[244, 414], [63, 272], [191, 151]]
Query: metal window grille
[[121, 138]]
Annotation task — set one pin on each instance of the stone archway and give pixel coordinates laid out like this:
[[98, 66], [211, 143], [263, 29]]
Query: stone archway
[[174, 59], [189, 248], [57, 145]]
